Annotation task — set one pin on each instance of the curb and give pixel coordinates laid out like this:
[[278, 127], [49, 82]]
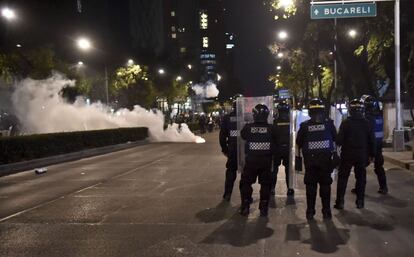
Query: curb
[[13, 168], [405, 164]]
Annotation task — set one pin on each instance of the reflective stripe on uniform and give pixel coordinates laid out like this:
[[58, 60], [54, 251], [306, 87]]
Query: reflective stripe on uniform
[[234, 133], [319, 145], [259, 146], [379, 134]]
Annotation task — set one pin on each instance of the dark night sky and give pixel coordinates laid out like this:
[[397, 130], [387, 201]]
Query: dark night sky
[[107, 22], [254, 29]]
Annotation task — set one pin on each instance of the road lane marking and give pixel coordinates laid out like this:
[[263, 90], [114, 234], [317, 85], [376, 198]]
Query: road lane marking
[[83, 189]]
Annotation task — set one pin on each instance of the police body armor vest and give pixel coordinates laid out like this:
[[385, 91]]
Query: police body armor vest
[[318, 138], [258, 141], [233, 132], [283, 128], [378, 126]]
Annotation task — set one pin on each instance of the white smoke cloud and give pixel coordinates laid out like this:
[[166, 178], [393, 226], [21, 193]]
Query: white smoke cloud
[[206, 90], [41, 109]]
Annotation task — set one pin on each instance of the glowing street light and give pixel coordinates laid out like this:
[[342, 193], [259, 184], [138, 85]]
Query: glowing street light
[[286, 3], [130, 62], [179, 78], [280, 55], [279, 67], [189, 66], [18, 45], [8, 13], [84, 44], [218, 77], [80, 63], [352, 33], [161, 71], [282, 35]]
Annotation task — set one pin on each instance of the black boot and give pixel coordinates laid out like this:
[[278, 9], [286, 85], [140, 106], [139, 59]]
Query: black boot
[[359, 203], [227, 197], [245, 208], [310, 213], [383, 190], [339, 204], [264, 207], [311, 190], [290, 192], [326, 214]]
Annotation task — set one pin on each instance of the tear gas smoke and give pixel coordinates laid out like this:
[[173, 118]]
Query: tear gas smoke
[[206, 90], [41, 109]]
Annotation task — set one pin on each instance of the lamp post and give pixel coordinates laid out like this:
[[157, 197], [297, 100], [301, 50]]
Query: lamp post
[[85, 45]]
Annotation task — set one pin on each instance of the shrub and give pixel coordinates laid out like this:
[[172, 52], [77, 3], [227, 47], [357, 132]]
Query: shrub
[[24, 148]]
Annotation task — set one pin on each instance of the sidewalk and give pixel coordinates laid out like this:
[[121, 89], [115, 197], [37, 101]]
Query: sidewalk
[[401, 159]]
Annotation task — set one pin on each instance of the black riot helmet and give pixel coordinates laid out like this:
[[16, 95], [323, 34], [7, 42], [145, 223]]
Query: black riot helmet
[[283, 110], [260, 113], [356, 108], [317, 110], [371, 105]]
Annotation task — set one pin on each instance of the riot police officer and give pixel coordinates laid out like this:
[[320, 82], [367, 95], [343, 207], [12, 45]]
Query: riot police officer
[[374, 116], [356, 139], [281, 139], [228, 142], [258, 162], [316, 137]]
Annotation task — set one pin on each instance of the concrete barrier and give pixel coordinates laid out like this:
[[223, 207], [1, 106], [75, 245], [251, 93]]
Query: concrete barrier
[[13, 168]]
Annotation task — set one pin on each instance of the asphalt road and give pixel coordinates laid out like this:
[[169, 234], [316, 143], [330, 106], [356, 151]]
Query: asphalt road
[[165, 200]]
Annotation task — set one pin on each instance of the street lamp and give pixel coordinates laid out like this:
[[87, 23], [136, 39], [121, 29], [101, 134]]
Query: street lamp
[[84, 44], [161, 71], [80, 63], [286, 3], [218, 77], [280, 55], [189, 66], [18, 45], [352, 33], [179, 78], [279, 67], [130, 62], [282, 35], [8, 13]]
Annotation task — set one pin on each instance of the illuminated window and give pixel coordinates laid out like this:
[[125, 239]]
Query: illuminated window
[[203, 20], [173, 28], [173, 35], [183, 49], [205, 42], [172, 13]]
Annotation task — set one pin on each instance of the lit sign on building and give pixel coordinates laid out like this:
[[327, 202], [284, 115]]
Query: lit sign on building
[[205, 42], [203, 20]]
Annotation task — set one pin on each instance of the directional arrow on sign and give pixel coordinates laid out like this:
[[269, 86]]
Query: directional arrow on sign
[[316, 12]]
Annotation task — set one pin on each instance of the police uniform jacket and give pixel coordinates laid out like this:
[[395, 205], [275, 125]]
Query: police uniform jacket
[[357, 139], [228, 133], [281, 136], [258, 137], [316, 138]]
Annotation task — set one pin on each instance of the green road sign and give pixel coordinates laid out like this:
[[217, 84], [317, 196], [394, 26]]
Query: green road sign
[[330, 11]]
